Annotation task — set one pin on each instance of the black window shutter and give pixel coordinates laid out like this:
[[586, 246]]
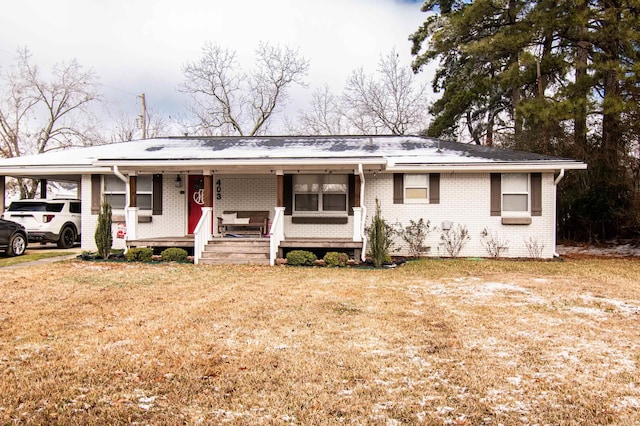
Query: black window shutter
[[287, 190], [398, 188], [157, 195], [352, 194], [95, 194], [434, 188], [496, 194], [536, 194]]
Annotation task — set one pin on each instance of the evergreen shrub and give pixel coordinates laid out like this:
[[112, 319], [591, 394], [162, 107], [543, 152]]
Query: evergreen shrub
[[333, 259], [139, 254], [300, 258], [174, 254]]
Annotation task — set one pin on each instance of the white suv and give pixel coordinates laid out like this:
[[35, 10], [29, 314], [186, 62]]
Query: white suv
[[56, 221]]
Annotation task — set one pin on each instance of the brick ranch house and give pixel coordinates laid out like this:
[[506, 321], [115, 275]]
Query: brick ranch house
[[250, 199]]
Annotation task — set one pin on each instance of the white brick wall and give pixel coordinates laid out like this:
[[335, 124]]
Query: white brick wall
[[465, 199], [296, 230], [171, 223], [245, 192]]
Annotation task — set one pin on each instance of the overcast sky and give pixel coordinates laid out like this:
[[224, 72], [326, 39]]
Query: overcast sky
[[139, 46]]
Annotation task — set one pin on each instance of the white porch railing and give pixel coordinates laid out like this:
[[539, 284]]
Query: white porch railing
[[202, 234], [276, 234], [131, 222]]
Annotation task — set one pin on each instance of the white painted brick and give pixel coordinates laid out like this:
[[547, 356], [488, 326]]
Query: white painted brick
[[464, 199]]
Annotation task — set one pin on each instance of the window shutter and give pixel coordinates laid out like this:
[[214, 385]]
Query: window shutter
[[157, 195], [398, 188], [288, 194], [434, 188], [536, 194], [496, 194], [352, 194], [95, 194]]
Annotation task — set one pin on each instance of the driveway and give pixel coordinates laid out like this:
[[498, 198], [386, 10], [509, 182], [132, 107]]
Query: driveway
[[35, 248]]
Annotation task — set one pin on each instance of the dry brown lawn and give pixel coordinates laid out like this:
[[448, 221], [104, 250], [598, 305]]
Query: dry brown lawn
[[434, 342]]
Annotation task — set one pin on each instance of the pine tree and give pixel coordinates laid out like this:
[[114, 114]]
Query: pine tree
[[553, 77]]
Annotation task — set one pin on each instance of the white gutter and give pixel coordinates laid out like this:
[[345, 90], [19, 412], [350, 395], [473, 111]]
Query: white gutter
[[302, 163], [555, 207], [482, 167]]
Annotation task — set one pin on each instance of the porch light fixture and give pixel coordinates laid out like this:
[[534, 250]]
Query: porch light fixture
[[178, 182]]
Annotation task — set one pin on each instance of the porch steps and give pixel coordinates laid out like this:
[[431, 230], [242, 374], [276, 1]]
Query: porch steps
[[226, 251]]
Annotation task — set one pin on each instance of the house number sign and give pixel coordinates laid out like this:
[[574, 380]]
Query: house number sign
[[218, 190]]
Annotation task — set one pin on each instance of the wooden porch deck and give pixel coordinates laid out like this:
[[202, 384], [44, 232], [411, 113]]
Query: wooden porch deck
[[188, 241], [317, 244]]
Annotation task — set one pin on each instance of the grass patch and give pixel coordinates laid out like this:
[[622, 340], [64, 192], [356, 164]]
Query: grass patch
[[433, 342], [30, 257]]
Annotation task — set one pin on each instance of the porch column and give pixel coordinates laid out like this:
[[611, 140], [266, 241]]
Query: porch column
[[208, 189], [133, 191], [357, 191], [43, 189], [279, 188], [357, 224], [132, 210], [3, 196]]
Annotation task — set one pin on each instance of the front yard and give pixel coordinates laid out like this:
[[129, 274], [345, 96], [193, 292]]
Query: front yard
[[433, 342]]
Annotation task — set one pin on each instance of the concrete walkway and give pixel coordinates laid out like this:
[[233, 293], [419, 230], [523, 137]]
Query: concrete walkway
[[66, 254]]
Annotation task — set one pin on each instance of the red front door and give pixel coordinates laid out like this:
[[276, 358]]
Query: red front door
[[196, 201]]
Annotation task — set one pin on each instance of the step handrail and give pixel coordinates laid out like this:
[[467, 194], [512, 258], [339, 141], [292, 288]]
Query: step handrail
[[276, 234], [202, 234]]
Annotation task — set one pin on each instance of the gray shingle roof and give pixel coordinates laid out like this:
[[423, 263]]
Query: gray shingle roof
[[389, 150]]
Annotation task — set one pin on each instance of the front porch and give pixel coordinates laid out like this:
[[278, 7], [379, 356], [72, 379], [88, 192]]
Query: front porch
[[227, 250]]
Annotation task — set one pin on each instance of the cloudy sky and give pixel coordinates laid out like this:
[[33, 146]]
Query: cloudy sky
[[137, 46]]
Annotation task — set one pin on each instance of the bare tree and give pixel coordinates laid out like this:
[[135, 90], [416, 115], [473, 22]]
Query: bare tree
[[129, 128], [390, 102], [227, 100], [324, 116], [40, 114]]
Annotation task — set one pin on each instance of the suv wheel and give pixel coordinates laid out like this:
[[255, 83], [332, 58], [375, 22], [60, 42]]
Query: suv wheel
[[67, 238], [17, 245]]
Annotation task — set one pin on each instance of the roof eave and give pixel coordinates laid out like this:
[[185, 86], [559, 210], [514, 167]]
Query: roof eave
[[486, 166]]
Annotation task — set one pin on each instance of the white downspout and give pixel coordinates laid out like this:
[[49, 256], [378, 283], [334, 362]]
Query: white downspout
[[364, 213], [126, 185], [127, 190], [555, 208], [559, 178], [361, 174]]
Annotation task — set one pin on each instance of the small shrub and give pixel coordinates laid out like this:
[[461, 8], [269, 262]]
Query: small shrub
[[333, 259], [300, 258], [493, 243], [174, 254], [454, 240], [534, 246], [139, 254], [414, 235]]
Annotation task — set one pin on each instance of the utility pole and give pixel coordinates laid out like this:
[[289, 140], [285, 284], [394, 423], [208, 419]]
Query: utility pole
[[144, 117]]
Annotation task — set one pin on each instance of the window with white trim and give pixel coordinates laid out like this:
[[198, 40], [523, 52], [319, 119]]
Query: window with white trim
[[115, 192], [416, 188], [515, 193], [320, 193]]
